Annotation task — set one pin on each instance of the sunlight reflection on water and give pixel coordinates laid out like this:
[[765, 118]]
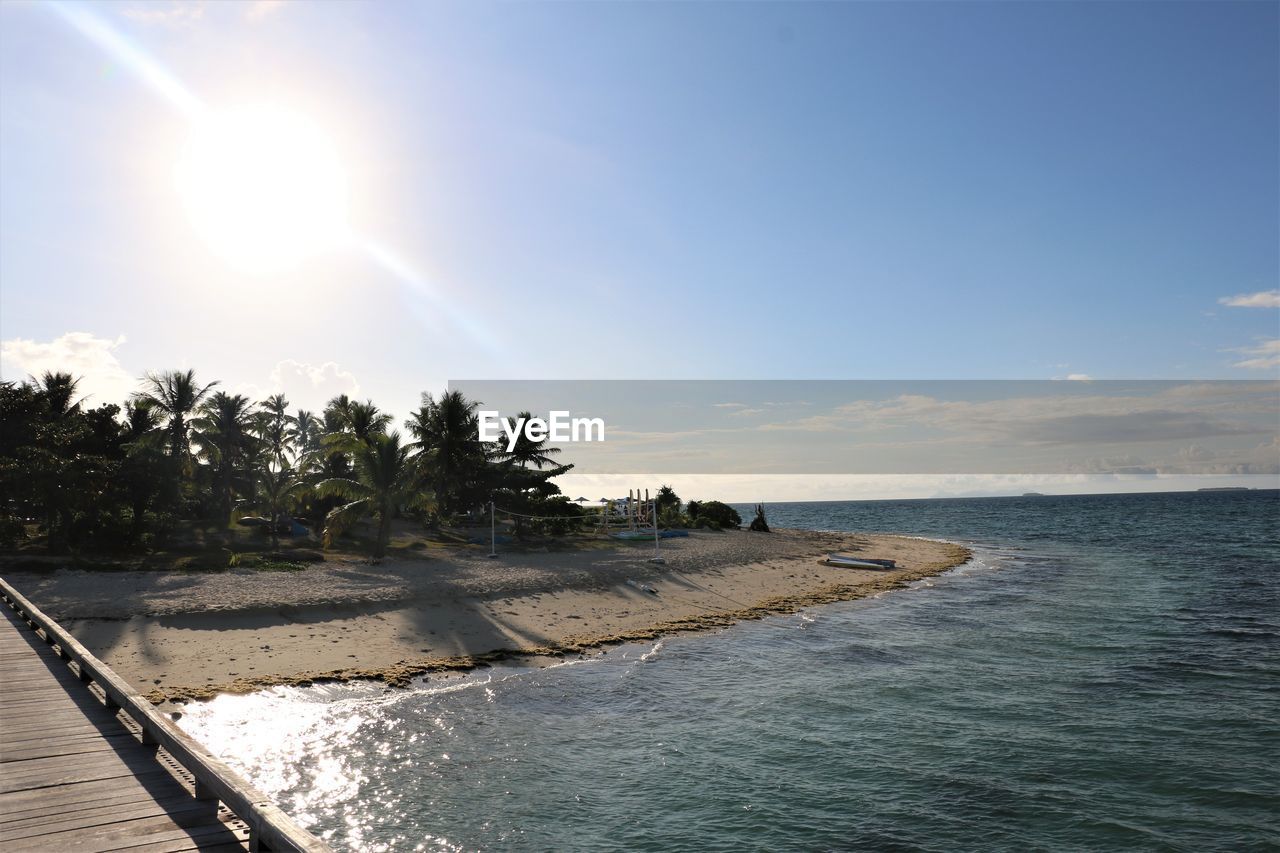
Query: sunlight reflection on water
[[1032, 694]]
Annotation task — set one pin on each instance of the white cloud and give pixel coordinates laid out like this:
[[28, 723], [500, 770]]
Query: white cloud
[[172, 14], [308, 386], [1261, 299], [1079, 377], [93, 359], [262, 8], [1265, 356]]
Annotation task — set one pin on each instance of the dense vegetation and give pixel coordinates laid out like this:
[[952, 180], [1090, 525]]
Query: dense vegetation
[[126, 477], [713, 514]]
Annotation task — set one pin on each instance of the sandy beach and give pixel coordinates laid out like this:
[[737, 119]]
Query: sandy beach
[[180, 635]]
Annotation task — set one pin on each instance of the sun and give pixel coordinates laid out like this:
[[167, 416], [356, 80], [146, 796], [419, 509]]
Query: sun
[[264, 187]]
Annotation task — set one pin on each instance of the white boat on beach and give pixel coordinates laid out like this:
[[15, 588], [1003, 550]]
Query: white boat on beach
[[845, 561]]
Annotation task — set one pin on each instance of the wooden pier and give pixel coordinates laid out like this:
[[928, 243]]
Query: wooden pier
[[87, 764]]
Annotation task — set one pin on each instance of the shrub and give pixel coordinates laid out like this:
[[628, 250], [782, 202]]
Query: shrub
[[721, 514], [671, 517], [667, 499]]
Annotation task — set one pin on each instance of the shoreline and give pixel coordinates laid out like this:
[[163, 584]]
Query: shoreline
[[179, 637]]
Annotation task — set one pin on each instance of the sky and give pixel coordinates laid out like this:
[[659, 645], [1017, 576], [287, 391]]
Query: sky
[[674, 191], [845, 439]]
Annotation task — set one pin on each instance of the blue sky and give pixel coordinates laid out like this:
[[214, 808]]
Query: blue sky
[[920, 190]]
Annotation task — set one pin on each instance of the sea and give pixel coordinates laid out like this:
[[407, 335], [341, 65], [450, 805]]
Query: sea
[[1103, 675]]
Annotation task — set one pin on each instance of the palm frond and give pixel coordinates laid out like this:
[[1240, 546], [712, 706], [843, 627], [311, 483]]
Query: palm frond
[[341, 487], [341, 518]]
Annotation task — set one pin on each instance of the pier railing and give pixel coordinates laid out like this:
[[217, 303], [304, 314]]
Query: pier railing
[[269, 827]]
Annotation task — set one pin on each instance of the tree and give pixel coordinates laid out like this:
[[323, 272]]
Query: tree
[[21, 415], [143, 468], [526, 451], [453, 459], [386, 479], [717, 514], [58, 463], [357, 424], [177, 396], [222, 431], [273, 425], [278, 489], [305, 432], [59, 391], [181, 450], [667, 499], [365, 421]]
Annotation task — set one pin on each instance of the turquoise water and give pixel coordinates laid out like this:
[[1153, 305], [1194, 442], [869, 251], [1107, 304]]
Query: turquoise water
[[1105, 674]]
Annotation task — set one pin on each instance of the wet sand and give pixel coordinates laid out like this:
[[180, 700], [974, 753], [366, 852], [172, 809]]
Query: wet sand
[[191, 635]]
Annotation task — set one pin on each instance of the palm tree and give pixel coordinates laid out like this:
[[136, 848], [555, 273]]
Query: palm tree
[[667, 498], [337, 413], [361, 423], [272, 424], [278, 490], [386, 479], [305, 432], [527, 452], [365, 421], [59, 391], [177, 396], [447, 434], [143, 467], [222, 431]]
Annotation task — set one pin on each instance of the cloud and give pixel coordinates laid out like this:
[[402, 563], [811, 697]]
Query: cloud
[[1125, 463], [262, 8], [93, 359], [172, 14], [1261, 299], [1154, 425], [1266, 355], [1079, 377], [308, 386]]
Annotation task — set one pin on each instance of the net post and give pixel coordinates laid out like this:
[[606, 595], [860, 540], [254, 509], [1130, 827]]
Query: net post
[[493, 536]]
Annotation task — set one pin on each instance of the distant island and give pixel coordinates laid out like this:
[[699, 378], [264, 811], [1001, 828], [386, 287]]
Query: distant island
[[1224, 489], [1033, 494]]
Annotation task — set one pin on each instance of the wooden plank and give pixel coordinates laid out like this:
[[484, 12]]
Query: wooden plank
[[35, 750], [72, 775], [68, 729], [81, 795], [187, 809], [124, 834], [60, 769], [61, 723]]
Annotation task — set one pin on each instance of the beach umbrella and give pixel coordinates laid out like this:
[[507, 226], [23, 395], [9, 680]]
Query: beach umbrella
[[580, 501]]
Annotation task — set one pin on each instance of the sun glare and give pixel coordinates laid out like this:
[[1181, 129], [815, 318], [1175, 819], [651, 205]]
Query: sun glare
[[264, 187]]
